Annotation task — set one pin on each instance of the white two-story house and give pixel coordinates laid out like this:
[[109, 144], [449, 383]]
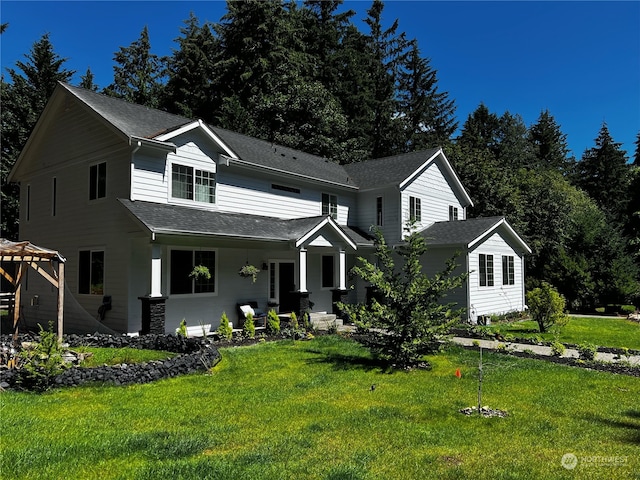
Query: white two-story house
[[134, 198]]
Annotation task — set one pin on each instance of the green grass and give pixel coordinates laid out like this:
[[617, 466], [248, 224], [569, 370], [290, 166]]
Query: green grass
[[113, 356], [289, 410], [612, 332]]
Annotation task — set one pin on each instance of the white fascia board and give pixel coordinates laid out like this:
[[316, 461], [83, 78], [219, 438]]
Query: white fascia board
[[328, 220], [201, 125], [157, 144], [510, 231], [419, 170]]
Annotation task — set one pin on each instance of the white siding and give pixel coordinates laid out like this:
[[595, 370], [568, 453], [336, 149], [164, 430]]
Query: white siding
[[435, 261], [499, 298], [392, 218], [433, 189]]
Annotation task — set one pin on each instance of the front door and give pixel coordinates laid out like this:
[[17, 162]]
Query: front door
[[286, 287]]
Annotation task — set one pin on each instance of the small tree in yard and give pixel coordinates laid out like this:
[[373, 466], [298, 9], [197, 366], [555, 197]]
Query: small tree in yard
[[406, 317], [547, 306]]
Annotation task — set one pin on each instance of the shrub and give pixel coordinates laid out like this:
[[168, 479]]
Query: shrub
[[293, 320], [249, 328], [587, 351], [42, 360], [627, 309], [273, 322], [224, 330], [305, 321], [547, 306], [557, 349], [182, 329]]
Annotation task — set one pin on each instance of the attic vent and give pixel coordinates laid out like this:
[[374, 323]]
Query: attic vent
[[285, 188]]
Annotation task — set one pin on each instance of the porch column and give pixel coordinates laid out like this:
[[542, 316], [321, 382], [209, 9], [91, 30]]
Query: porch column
[[342, 281], [302, 270], [156, 271]]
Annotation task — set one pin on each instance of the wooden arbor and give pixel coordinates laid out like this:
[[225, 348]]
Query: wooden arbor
[[25, 254]]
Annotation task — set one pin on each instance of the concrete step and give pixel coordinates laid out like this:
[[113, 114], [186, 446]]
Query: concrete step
[[324, 321]]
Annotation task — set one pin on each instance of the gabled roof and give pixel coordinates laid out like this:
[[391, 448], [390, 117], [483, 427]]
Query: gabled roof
[[400, 170], [468, 233], [178, 220]]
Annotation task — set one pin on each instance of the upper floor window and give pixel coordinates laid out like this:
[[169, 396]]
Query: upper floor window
[[415, 209], [486, 270], [91, 272], [508, 271], [182, 263], [330, 205], [453, 213], [379, 211], [193, 184], [98, 181]]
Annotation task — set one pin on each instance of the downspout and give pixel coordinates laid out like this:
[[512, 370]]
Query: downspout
[[138, 144]]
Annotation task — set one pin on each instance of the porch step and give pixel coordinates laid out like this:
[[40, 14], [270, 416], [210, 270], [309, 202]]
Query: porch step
[[324, 321]]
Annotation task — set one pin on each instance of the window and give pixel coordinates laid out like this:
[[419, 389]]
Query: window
[[91, 272], [415, 209], [182, 263], [190, 183], [453, 213], [486, 270], [379, 211], [285, 188], [330, 205], [54, 196], [328, 272], [98, 181], [508, 272]]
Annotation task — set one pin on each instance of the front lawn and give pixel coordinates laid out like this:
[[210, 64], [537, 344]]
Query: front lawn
[[307, 410], [610, 332]]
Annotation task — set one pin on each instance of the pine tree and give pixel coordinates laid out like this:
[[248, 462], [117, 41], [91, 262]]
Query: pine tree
[[138, 74], [427, 115], [550, 145], [86, 81], [23, 100], [604, 174], [191, 87]]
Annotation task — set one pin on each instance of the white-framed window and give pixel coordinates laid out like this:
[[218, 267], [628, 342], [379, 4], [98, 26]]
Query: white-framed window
[[98, 181], [486, 270], [508, 270], [328, 271], [415, 209], [189, 183], [379, 212], [453, 213], [181, 266], [91, 272], [330, 205]]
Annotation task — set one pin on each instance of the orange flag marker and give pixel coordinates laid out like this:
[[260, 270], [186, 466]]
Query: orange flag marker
[[458, 373]]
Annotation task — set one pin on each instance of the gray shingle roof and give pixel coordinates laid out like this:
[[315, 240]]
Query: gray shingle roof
[[131, 119], [386, 171], [173, 219], [460, 232], [268, 155]]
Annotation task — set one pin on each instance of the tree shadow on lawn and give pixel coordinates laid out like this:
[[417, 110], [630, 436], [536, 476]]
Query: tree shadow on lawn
[[631, 427], [342, 362]]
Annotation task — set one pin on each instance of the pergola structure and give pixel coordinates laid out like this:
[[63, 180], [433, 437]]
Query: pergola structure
[[25, 254]]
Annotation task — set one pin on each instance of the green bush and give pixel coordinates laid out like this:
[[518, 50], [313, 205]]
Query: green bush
[[273, 322], [224, 330], [587, 351], [627, 309], [182, 329], [249, 328], [547, 306], [42, 360], [557, 349], [293, 321]]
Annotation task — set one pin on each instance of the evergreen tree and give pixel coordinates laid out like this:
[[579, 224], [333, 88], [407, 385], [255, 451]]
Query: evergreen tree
[[191, 88], [23, 100], [513, 151], [427, 115], [388, 50], [550, 145], [604, 174], [86, 81], [632, 226], [138, 74]]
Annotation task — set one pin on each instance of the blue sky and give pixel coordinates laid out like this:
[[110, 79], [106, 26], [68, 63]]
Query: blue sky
[[579, 60]]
